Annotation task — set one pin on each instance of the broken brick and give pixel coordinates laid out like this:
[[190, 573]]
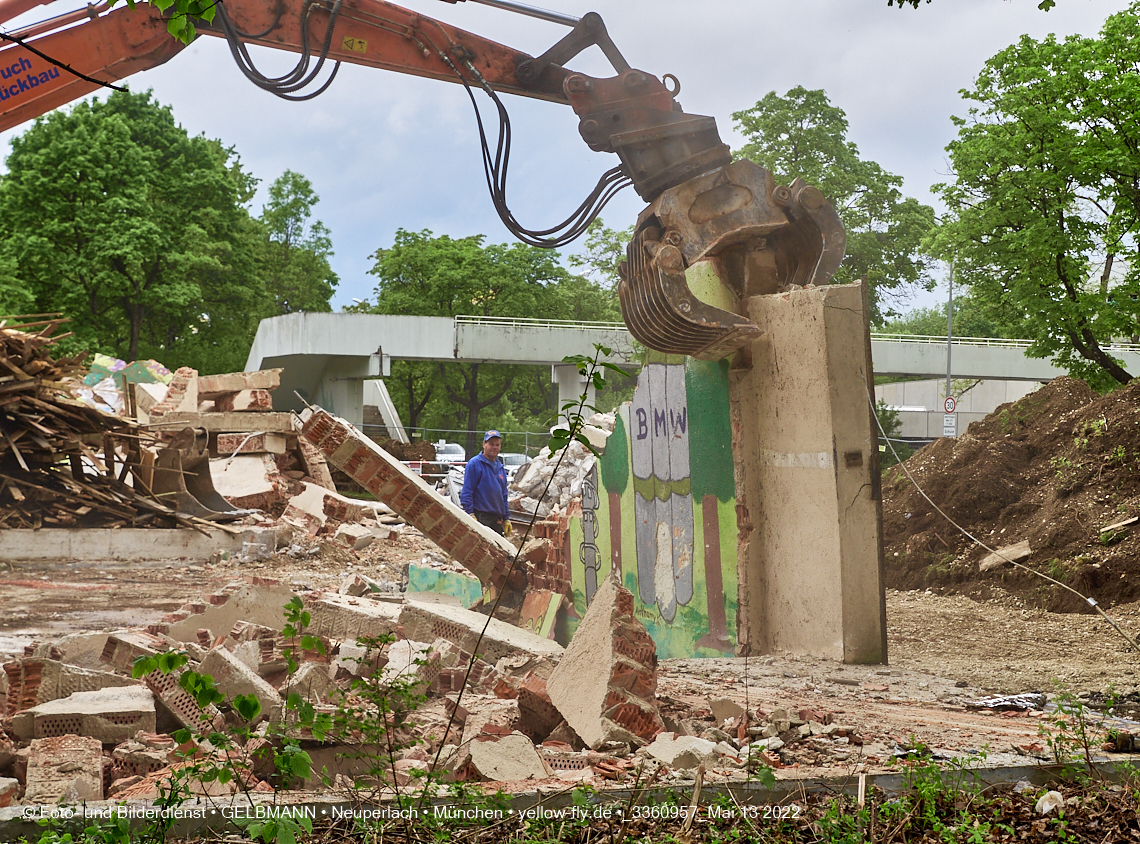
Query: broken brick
[[605, 684]]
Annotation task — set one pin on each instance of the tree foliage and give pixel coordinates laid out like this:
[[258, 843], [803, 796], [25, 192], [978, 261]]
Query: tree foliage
[[297, 273], [1044, 203], [114, 215], [802, 134], [425, 275], [971, 319]]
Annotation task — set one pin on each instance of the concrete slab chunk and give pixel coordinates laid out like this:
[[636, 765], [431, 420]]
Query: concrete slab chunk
[[213, 386], [32, 682], [64, 769], [605, 684], [346, 619], [512, 758], [109, 715], [682, 752], [426, 622], [235, 678]]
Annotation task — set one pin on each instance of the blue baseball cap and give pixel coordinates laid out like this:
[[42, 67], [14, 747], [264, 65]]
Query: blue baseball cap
[[490, 434]]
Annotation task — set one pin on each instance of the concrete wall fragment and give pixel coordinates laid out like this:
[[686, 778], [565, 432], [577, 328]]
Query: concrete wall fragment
[[479, 549], [807, 479]]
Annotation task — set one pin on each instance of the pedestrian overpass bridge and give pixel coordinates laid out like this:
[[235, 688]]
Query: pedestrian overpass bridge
[[328, 357]]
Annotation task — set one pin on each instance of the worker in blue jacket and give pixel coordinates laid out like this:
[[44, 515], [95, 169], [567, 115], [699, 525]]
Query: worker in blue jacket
[[484, 492]]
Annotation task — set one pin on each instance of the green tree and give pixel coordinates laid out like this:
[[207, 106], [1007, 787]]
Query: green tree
[[425, 275], [297, 272], [604, 250], [1036, 218], [114, 215], [971, 319], [803, 134]]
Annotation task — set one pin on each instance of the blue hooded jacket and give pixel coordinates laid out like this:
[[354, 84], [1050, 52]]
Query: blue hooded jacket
[[484, 487]]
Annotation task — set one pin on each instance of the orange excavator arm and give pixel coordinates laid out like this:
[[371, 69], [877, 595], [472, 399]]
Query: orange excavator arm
[[705, 208], [111, 44]]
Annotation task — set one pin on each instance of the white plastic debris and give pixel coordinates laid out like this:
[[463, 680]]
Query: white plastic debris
[[1049, 801]]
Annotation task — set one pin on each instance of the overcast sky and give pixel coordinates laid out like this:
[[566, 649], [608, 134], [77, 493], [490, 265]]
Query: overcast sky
[[386, 151]]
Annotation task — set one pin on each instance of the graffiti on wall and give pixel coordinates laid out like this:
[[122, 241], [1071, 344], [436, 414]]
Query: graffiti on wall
[[660, 508]]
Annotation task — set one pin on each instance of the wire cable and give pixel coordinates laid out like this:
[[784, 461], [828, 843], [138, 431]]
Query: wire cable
[[286, 85], [495, 166], [901, 465]]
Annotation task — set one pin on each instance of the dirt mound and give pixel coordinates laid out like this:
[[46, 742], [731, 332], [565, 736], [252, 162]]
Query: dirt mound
[[1057, 468]]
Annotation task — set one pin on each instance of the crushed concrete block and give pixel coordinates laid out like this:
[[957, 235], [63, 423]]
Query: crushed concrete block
[[314, 464], [146, 397], [537, 549], [9, 788], [32, 682], [64, 768], [682, 752], [564, 734], [489, 718], [81, 649], [124, 646], [538, 716], [477, 548], [110, 715], [357, 660], [408, 660], [233, 678], [356, 585], [135, 758], [181, 395], [315, 507], [511, 757], [311, 681], [345, 618], [604, 686], [260, 655], [262, 604], [249, 481], [353, 537], [244, 401], [426, 622], [724, 709], [215, 386], [263, 443]]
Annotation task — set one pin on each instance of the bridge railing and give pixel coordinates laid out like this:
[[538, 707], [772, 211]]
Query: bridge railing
[[527, 322], [980, 341]]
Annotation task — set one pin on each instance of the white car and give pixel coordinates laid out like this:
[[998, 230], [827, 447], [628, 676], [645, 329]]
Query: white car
[[446, 452], [513, 462]]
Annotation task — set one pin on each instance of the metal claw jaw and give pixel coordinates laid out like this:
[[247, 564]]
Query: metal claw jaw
[[727, 216]]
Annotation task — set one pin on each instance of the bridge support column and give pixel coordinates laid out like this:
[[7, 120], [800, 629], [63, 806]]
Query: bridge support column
[[570, 384], [342, 385]]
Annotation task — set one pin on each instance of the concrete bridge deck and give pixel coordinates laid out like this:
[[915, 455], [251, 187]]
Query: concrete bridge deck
[[327, 357]]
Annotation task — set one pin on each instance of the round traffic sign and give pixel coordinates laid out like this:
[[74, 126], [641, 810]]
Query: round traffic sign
[[950, 404]]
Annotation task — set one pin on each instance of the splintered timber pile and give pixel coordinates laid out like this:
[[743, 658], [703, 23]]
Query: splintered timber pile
[[51, 473]]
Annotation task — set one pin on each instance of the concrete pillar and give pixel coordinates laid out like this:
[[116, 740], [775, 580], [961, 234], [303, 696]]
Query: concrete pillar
[[342, 385], [570, 385], [808, 496]]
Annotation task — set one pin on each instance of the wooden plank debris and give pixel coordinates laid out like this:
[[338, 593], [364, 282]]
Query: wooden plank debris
[[49, 471]]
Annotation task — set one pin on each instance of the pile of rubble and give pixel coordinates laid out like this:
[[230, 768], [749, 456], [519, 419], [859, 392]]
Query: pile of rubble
[[546, 486], [77, 727], [62, 462]]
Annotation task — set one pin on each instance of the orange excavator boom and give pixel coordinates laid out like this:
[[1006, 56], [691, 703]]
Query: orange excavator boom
[[762, 237]]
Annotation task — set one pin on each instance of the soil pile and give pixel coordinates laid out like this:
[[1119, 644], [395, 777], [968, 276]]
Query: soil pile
[[1058, 468]]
